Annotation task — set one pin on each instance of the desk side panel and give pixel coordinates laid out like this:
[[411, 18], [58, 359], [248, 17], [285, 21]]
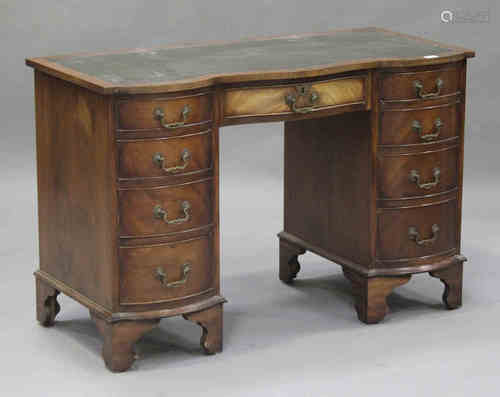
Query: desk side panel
[[328, 181], [76, 188]]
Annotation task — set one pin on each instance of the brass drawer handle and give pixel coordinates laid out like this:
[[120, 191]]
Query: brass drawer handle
[[160, 213], [417, 127], [159, 160], [302, 91], [160, 115], [414, 235], [162, 276], [415, 177], [419, 89]]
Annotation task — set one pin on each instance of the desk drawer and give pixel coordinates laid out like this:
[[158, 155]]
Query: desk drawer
[[165, 210], [417, 232], [163, 113], [296, 98], [410, 127], [420, 85], [413, 175], [160, 273], [165, 157]]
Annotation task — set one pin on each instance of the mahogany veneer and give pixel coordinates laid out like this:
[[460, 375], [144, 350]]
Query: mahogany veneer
[[138, 113], [128, 171], [269, 100], [160, 158], [188, 203], [400, 86]]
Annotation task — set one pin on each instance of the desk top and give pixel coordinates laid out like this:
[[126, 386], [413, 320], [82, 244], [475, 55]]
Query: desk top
[[191, 66]]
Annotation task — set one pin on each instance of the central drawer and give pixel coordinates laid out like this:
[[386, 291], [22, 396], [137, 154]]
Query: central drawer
[[297, 98], [166, 272], [164, 210]]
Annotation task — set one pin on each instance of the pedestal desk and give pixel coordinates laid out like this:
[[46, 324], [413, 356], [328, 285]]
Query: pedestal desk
[[128, 171]]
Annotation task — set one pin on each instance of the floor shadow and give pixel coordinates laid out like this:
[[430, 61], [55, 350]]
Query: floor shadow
[[263, 312], [327, 299], [168, 340], [287, 312], [81, 330]]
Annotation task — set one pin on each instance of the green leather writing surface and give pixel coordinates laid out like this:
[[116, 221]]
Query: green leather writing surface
[[286, 53]]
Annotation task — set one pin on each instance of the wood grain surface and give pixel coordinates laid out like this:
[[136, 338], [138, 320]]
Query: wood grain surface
[[394, 224], [77, 202], [400, 86], [271, 100], [140, 284], [139, 113], [137, 217], [397, 125], [395, 173], [136, 158]]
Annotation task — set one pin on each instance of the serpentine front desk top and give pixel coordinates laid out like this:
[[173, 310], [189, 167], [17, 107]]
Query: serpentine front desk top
[[128, 171]]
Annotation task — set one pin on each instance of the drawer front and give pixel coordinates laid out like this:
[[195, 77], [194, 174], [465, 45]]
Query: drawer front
[[165, 157], [419, 85], [299, 98], [411, 127], [413, 175], [160, 273], [164, 210], [163, 113], [417, 232]]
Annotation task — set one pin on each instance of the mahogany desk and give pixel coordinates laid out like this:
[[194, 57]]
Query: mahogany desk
[[128, 171]]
